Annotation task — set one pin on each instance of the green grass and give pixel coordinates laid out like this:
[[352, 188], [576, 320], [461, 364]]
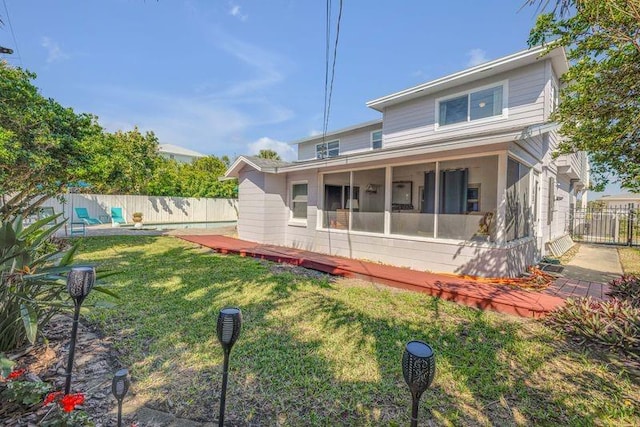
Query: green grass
[[630, 260], [328, 352]]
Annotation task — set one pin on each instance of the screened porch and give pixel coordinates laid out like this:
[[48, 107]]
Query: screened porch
[[453, 199]]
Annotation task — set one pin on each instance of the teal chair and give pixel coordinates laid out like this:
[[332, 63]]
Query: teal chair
[[83, 214], [117, 217]]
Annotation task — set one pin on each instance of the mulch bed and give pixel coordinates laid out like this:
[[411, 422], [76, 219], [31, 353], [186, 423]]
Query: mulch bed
[[94, 366]]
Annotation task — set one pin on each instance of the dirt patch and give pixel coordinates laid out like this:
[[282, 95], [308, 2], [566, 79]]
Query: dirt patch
[[283, 268]]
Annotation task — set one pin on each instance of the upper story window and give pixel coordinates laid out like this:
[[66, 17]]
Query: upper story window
[[470, 106], [299, 196], [327, 149], [376, 139]]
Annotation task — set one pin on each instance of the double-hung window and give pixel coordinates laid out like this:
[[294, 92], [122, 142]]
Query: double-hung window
[[327, 149], [299, 194], [376, 139], [474, 105]]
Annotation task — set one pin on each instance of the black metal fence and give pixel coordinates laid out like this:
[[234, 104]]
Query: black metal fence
[[612, 226]]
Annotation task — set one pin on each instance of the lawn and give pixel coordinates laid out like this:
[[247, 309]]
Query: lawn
[[323, 351], [630, 260]]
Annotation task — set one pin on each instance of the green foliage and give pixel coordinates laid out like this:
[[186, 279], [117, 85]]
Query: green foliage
[[32, 280], [269, 154], [197, 179], [6, 365], [626, 288], [200, 179], [614, 323], [600, 108], [121, 162], [25, 393], [166, 178], [40, 143]]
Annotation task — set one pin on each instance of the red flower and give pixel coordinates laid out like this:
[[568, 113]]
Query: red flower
[[52, 397], [70, 401], [16, 374]]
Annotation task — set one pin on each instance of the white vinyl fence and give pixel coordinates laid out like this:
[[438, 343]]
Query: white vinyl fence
[[154, 209]]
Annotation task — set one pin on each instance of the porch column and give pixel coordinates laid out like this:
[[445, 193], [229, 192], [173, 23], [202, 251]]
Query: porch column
[[436, 202], [388, 177], [501, 212]]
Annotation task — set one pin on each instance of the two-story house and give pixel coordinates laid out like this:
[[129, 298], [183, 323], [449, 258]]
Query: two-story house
[[457, 176]]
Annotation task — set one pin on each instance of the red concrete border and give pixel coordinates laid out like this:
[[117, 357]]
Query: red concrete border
[[468, 292]]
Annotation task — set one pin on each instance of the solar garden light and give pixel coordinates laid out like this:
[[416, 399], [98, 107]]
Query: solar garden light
[[418, 368], [79, 283], [228, 328], [119, 388]]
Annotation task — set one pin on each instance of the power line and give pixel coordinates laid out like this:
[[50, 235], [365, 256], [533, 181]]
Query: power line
[[13, 35], [333, 66], [327, 29]]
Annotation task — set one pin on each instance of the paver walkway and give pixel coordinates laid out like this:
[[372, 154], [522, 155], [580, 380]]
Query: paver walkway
[[475, 294], [588, 273]]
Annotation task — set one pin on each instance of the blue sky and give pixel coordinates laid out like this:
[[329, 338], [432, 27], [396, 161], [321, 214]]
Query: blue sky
[[231, 77]]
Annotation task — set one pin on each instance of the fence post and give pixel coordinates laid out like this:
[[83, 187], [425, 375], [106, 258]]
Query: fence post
[[630, 226]]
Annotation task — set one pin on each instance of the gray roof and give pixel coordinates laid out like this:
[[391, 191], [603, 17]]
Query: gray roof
[[182, 151], [266, 163], [331, 134], [621, 196]]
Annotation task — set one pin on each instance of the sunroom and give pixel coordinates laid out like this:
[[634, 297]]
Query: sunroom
[[455, 199]]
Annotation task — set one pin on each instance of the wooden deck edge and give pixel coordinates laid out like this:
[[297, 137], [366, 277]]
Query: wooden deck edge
[[501, 304]]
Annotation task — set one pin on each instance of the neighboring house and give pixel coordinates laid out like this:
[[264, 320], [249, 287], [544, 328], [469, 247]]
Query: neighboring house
[[179, 154], [622, 200], [457, 176]]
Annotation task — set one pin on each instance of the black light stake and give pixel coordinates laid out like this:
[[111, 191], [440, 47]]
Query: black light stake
[[79, 283], [418, 368], [229, 324], [119, 388]]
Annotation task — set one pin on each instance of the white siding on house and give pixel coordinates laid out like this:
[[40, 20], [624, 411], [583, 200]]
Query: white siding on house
[[350, 142], [250, 203], [414, 121]]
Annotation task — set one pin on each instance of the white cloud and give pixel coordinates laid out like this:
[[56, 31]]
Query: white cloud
[[235, 11], [206, 125], [476, 57], [285, 150], [315, 132], [204, 116], [55, 52]]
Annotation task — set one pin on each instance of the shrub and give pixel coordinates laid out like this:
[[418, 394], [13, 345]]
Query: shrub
[[32, 280], [614, 323], [627, 288]]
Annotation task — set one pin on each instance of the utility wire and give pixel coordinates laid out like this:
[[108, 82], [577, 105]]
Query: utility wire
[[330, 75], [327, 28], [13, 35], [333, 66]]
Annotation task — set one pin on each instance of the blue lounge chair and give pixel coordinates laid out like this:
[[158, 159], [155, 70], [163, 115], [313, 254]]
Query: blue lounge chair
[[117, 217], [83, 214]]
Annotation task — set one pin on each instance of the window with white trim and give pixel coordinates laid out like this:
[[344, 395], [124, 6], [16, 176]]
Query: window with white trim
[[376, 139], [474, 105], [299, 196], [327, 149]]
